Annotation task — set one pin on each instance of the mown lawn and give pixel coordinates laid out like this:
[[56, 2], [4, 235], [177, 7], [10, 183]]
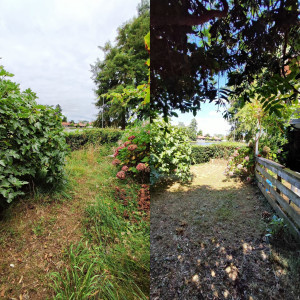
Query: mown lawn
[[89, 241], [208, 241]]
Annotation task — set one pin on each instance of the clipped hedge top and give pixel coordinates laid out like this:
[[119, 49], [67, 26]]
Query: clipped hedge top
[[223, 144], [88, 131], [96, 136], [202, 154]]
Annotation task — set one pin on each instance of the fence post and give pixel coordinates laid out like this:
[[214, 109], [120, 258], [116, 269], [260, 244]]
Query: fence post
[[280, 180]]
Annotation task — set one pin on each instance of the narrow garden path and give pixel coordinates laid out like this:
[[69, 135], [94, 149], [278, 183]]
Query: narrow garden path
[[207, 241], [36, 231]]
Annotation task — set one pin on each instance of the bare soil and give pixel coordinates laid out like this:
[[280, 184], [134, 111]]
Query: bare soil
[[208, 241]]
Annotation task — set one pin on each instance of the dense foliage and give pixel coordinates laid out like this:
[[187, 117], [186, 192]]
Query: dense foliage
[[122, 71], [202, 154], [195, 41], [132, 156], [170, 152], [32, 143], [97, 136], [252, 122]]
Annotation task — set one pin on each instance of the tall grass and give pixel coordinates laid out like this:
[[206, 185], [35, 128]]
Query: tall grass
[[113, 259]]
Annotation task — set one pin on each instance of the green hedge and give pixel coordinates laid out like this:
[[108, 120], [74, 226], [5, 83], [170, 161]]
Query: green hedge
[[202, 154], [97, 136]]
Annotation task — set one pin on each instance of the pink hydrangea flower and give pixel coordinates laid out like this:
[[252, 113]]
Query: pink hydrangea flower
[[142, 167], [239, 166], [132, 137], [235, 153], [117, 150], [116, 162], [121, 175], [247, 158], [230, 173], [127, 143], [125, 168], [132, 147]]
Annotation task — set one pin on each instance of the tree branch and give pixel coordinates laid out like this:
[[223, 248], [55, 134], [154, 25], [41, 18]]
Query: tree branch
[[191, 20]]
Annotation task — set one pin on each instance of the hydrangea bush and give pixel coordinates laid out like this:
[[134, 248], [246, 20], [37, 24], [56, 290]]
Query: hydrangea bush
[[132, 156], [241, 163]]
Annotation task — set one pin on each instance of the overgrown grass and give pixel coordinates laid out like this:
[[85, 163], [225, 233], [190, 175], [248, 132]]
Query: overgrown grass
[[112, 261]]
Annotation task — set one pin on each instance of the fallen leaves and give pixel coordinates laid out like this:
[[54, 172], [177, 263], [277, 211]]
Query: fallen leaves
[[232, 272]]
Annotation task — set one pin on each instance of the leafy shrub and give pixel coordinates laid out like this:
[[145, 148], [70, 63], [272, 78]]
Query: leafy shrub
[[241, 163], [32, 143], [274, 147], [132, 157], [202, 154], [97, 136], [170, 151], [276, 228]]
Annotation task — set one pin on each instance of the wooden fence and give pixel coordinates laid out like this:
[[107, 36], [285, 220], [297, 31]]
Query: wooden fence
[[281, 187]]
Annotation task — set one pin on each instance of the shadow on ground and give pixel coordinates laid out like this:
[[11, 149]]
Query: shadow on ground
[[208, 242]]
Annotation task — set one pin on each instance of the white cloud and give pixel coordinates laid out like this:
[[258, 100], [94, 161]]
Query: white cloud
[[50, 44], [213, 113], [213, 125]]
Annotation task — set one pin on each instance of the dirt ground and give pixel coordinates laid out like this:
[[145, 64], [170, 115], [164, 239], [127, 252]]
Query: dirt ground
[[208, 241]]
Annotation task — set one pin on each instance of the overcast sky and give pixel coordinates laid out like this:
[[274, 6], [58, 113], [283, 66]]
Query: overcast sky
[[50, 44]]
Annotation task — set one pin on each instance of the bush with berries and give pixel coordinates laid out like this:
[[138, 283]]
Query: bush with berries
[[132, 156]]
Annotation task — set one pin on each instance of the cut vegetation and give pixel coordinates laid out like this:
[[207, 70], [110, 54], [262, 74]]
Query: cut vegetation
[[208, 241]]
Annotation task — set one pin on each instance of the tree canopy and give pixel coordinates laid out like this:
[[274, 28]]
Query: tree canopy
[[195, 41], [123, 67]]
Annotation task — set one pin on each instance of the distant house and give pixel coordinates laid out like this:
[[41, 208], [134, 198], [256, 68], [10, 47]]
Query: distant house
[[200, 137], [81, 125], [90, 124], [66, 124]]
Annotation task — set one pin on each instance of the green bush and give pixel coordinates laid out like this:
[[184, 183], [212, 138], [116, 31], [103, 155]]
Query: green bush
[[97, 136], [202, 154], [32, 143], [170, 152]]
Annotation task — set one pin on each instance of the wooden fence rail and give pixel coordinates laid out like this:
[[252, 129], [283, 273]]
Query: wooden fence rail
[[280, 185]]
